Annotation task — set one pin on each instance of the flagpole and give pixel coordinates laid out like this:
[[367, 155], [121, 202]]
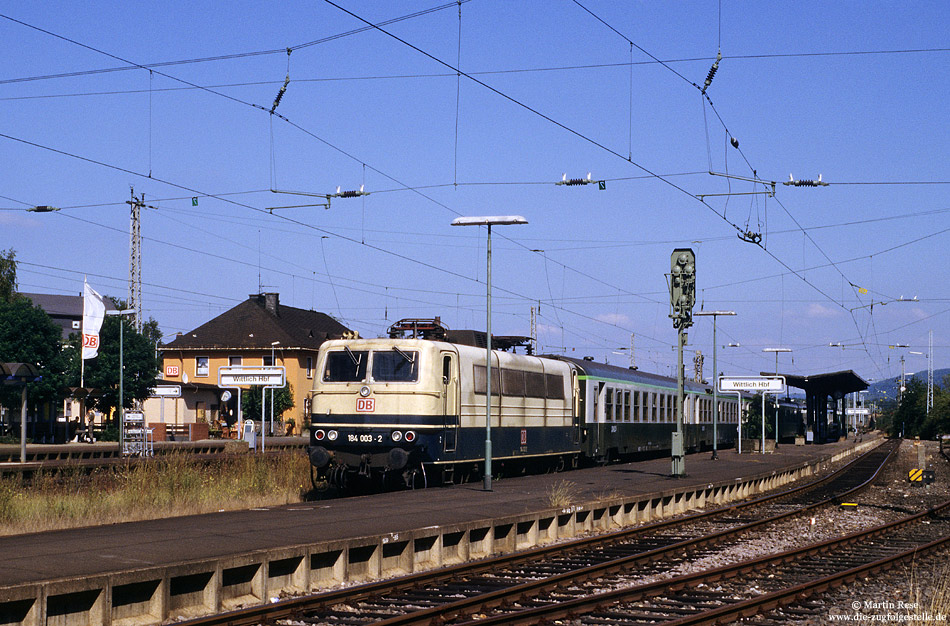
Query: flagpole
[[82, 334]]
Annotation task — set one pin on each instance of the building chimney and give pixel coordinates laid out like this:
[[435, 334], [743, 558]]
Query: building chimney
[[270, 302]]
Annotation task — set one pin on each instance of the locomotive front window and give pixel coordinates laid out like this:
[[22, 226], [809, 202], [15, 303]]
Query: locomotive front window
[[345, 366], [397, 366]]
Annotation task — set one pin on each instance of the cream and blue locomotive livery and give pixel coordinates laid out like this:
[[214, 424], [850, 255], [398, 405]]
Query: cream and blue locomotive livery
[[412, 411]]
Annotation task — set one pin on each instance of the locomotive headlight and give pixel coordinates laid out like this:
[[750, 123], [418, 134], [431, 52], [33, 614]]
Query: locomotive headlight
[[397, 436], [364, 391], [319, 435], [410, 436], [332, 435]]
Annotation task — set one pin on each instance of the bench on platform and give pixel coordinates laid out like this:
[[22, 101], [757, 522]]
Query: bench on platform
[[179, 432]]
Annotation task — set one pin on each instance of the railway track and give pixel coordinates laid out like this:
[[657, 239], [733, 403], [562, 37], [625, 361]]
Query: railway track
[[89, 457], [537, 578], [746, 588]]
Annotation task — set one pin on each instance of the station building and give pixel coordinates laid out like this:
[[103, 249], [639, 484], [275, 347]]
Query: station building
[[258, 332]]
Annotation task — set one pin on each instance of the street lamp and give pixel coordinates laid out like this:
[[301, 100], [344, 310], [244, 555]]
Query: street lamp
[[489, 221], [776, 351], [930, 373], [122, 374], [715, 314]]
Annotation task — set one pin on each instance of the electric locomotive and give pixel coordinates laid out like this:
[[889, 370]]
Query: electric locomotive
[[413, 409]]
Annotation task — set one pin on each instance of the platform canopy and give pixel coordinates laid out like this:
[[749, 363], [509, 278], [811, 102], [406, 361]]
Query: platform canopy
[[818, 388], [835, 384]]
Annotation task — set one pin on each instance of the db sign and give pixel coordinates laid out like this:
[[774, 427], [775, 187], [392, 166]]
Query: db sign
[[171, 371], [365, 405]]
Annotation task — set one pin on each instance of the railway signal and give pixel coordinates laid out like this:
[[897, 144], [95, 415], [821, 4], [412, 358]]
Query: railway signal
[[682, 299]]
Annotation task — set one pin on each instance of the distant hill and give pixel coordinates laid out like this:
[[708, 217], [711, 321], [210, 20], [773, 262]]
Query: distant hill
[[889, 388]]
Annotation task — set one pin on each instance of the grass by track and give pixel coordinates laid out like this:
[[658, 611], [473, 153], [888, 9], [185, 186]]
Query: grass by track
[[166, 486]]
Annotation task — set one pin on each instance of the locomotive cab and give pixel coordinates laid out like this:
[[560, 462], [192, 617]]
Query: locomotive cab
[[381, 406]]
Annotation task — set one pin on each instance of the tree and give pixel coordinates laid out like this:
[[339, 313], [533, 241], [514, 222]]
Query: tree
[[251, 402], [28, 335], [752, 424], [102, 373], [7, 275], [909, 416]]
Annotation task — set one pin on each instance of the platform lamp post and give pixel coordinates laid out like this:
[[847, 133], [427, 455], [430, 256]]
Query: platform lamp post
[[930, 379], [776, 351], [20, 375], [272, 363], [715, 315], [489, 221], [122, 374]]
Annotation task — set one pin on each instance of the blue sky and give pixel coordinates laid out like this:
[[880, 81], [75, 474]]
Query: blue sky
[[853, 91]]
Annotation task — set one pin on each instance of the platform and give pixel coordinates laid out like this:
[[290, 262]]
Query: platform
[[155, 570]]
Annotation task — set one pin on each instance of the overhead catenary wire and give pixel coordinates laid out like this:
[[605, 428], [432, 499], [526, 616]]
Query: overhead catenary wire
[[302, 224], [294, 124], [631, 151]]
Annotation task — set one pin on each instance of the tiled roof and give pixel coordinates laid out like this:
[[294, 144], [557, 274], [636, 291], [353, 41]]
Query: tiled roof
[[259, 321], [63, 310]]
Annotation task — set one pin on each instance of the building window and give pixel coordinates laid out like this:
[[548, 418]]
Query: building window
[[234, 361], [202, 366], [268, 360], [309, 367]]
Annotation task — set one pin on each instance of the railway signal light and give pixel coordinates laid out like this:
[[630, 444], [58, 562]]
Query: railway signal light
[[682, 287]]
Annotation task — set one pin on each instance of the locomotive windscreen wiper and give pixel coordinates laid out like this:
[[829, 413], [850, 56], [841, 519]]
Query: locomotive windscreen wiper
[[408, 358], [353, 357]]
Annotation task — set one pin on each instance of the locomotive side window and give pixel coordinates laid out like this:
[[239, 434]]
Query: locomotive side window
[[512, 382], [395, 366], [555, 385], [345, 366], [480, 383], [534, 384]]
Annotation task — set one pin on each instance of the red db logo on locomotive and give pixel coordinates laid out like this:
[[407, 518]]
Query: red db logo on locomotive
[[365, 405]]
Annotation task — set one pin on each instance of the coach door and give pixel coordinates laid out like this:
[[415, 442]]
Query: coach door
[[450, 400]]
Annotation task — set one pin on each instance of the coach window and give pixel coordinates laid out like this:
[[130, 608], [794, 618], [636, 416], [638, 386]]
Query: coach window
[[345, 366], [395, 366], [202, 366], [609, 405], [636, 406], [626, 406]]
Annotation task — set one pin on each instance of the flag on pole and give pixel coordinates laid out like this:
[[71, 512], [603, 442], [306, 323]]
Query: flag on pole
[[93, 311]]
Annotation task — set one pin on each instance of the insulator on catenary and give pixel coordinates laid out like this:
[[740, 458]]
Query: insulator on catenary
[[734, 142], [280, 94], [712, 72], [349, 194], [570, 182], [791, 182]]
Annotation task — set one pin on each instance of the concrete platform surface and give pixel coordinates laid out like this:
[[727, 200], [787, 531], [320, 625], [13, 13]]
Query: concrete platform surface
[[99, 550]]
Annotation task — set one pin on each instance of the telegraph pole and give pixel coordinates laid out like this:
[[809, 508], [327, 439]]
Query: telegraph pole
[[682, 299]]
